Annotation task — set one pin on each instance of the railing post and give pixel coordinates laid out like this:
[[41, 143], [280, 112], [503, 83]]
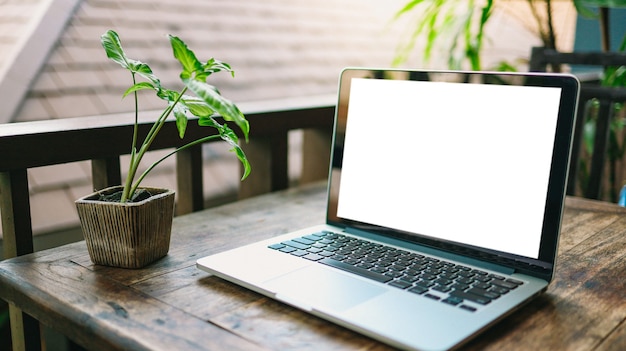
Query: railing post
[[106, 172], [316, 144], [189, 180], [268, 157], [18, 240], [600, 147], [17, 228], [537, 60]]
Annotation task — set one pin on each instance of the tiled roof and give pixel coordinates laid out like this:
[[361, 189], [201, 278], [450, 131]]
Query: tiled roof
[[278, 48], [25, 31]]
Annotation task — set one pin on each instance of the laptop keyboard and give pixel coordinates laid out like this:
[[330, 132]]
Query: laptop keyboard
[[450, 283]]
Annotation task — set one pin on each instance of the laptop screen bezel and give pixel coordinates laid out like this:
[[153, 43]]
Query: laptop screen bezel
[[541, 266]]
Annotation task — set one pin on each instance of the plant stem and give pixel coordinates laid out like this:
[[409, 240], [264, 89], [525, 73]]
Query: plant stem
[[131, 174], [129, 188], [186, 146]]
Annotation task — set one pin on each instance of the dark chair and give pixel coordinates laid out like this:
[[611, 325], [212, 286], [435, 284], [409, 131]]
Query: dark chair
[[592, 93]]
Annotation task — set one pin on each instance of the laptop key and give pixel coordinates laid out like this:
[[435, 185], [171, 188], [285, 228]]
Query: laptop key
[[499, 290], [479, 272], [482, 278], [356, 270], [312, 237], [400, 284], [377, 269], [364, 265], [326, 253], [458, 286], [434, 297], [442, 281], [299, 253], [418, 289], [482, 292], [484, 286], [313, 257], [338, 257], [464, 281], [471, 297], [295, 244], [441, 288], [409, 278], [424, 284], [504, 284], [495, 276], [468, 308], [304, 241], [451, 300], [288, 249]]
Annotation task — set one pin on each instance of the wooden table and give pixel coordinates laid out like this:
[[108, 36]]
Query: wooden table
[[171, 305]]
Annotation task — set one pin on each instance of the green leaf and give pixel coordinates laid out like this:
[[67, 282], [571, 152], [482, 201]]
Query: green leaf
[[231, 138], [168, 95], [113, 48], [213, 66], [197, 106], [223, 130], [144, 70], [589, 135], [244, 160], [228, 110], [407, 8], [181, 120], [139, 86], [192, 68]]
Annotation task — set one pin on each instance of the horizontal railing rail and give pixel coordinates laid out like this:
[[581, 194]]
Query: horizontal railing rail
[[103, 139]]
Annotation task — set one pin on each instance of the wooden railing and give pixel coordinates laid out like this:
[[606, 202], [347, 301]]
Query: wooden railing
[[605, 96], [102, 139]]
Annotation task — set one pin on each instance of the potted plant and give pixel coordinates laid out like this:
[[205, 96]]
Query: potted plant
[[129, 225]]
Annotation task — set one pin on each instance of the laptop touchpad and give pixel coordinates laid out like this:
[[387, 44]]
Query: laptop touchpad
[[315, 287]]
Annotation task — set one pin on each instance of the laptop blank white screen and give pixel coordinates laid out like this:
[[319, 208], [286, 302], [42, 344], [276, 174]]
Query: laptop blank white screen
[[467, 163]]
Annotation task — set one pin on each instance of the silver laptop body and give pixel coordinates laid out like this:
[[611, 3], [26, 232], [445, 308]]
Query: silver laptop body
[[445, 198]]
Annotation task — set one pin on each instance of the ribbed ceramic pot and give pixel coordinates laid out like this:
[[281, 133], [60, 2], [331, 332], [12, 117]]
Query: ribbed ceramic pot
[[128, 235]]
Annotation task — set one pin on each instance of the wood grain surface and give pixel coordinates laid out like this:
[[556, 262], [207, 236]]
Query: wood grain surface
[[171, 305]]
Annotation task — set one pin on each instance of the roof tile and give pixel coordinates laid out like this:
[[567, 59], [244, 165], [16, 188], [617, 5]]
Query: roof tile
[[34, 109], [50, 176], [53, 210], [67, 105]]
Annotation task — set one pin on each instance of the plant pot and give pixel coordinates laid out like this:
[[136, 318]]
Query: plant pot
[[128, 235]]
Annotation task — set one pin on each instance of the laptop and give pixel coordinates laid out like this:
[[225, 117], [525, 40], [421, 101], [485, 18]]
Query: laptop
[[445, 196]]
